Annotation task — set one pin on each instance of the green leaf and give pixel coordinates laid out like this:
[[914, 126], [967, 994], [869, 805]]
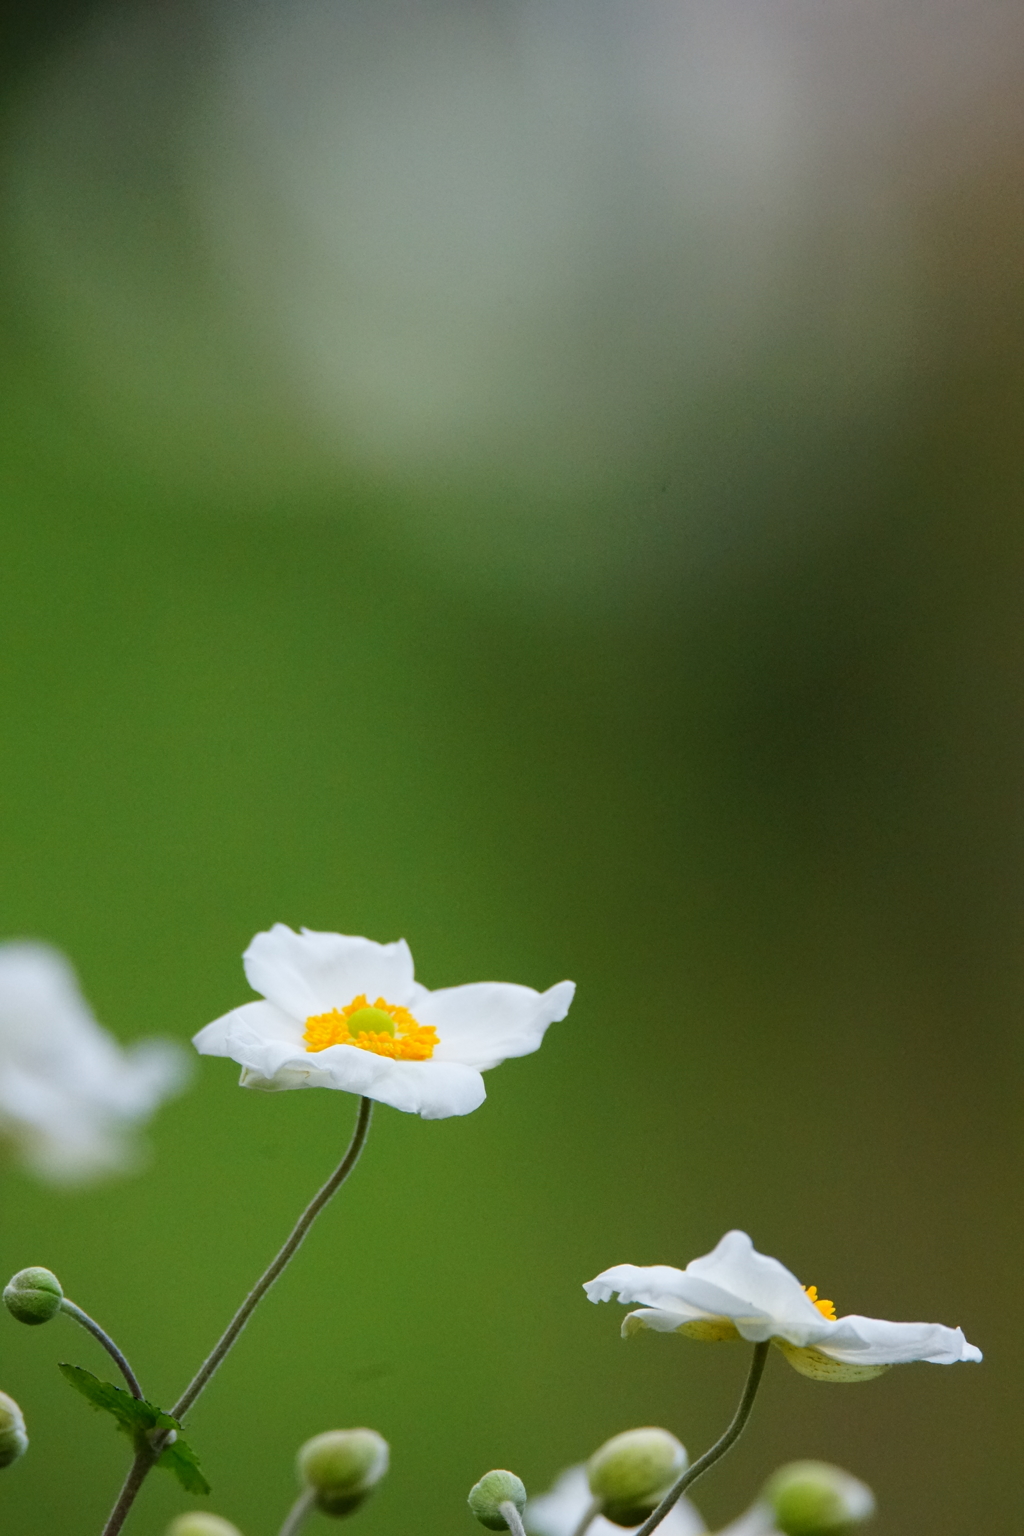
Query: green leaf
[[180, 1459], [136, 1418], [133, 1414]]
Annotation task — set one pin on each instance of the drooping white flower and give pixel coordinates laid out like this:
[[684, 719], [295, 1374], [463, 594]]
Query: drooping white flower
[[344, 1012], [736, 1292], [559, 1511], [70, 1096]]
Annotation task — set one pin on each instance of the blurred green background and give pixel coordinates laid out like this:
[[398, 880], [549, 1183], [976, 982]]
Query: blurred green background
[[729, 730]]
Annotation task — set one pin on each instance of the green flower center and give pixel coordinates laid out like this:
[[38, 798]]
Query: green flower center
[[370, 1021]]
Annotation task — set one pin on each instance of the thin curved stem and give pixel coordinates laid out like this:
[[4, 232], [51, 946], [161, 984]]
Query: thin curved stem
[[91, 1326], [295, 1519], [270, 1274], [588, 1517], [513, 1519], [719, 1448], [144, 1460]]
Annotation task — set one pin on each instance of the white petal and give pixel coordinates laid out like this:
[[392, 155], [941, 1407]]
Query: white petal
[[265, 1042], [756, 1293], [309, 973], [764, 1300], [268, 1045], [872, 1341], [69, 1094], [655, 1319], [756, 1521], [433, 1089], [485, 1022], [251, 1026], [818, 1366], [760, 1282], [674, 1296], [653, 1284]]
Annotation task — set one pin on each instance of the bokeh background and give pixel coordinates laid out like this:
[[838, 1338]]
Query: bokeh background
[[544, 480]]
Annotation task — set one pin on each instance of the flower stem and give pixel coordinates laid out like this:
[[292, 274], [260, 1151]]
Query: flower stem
[[588, 1517], [144, 1459], [513, 1519], [147, 1457], [270, 1274], [296, 1516], [108, 1344], [719, 1448]]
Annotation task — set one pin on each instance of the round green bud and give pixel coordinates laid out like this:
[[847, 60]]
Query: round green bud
[[632, 1472], [33, 1295], [199, 1523], [811, 1498], [342, 1466], [13, 1439], [492, 1491]]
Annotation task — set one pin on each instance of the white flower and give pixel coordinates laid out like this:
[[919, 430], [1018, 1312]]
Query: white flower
[[755, 1521], [343, 1012], [559, 1511], [736, 1292], [69, 1095]]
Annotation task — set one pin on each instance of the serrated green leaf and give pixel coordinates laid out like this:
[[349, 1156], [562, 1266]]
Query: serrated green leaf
[[136, 1417], [132, 1413], [180, 1459]]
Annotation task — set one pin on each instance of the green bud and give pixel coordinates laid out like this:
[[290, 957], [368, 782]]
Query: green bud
[[633, 1471], [811, 1498], [343, 1466], [200, 1524], [13, 1439], [487, 1496], [33, 1296]]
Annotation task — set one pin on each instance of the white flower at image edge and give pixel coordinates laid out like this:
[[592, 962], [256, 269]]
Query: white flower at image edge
[[344, 1012], [736, 1292], [559, 1511], [70, 1096]]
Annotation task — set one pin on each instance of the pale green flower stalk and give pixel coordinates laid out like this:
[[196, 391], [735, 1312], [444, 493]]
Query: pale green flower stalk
[[728, 1440], [147, 1457]]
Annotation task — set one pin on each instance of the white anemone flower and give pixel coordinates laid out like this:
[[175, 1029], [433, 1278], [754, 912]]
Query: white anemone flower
[[736, 1292], [559, 1511], [344, 1012], [70, 1096]]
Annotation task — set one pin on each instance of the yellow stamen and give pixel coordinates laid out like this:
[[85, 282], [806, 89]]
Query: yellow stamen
[[826, 1308], [381, 1027]]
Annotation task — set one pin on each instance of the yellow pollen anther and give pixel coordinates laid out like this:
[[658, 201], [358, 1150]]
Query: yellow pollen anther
[[826, 1308], [381, 1027]]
